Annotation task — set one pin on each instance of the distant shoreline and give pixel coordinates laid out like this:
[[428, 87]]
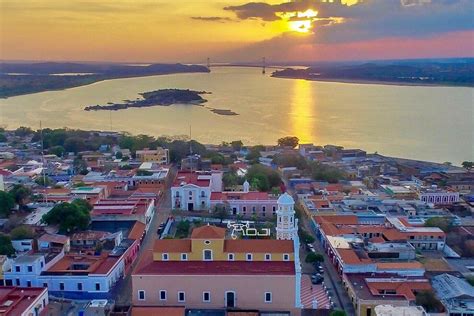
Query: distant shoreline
[[376, 82]]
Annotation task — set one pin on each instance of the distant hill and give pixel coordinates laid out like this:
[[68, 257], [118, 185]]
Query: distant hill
[[25, 78], [422, 72]]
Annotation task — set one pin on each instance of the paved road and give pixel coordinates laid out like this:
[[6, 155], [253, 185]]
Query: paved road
[[162, 211]]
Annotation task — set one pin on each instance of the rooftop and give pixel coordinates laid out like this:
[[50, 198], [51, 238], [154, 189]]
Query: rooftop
[[15, 300], [147, 266]]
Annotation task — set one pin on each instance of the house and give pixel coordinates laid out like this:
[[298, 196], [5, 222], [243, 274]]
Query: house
[[246, 203], [159, 155], [456, 294], [54, 241], [124, 209], [367, 291], [191, 191], [21, 301]]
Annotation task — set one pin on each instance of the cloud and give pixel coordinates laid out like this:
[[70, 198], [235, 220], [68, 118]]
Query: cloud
[[219, 19], [370, 19]]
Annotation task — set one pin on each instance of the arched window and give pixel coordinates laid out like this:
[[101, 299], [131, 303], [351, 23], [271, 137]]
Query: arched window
[[207, 255]]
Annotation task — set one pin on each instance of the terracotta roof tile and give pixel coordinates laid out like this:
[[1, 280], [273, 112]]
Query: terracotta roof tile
[[208, 232]]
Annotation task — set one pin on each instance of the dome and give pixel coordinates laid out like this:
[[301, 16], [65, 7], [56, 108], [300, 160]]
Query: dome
[[285, 199]]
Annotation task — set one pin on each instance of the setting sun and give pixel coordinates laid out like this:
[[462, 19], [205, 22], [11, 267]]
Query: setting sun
[[301, 21]]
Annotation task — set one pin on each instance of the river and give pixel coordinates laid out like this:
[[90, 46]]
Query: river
[[427, 123]]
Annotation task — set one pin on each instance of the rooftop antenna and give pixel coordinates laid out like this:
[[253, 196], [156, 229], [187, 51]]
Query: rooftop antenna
[[42, 157], [263, 65]]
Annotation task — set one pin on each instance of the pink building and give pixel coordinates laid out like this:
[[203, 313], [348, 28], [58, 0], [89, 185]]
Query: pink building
[[246, 203]]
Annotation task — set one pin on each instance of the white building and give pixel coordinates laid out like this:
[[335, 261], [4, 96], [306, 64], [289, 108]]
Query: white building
[[191, 191], [437, 196], [390, 310], [287, 227]]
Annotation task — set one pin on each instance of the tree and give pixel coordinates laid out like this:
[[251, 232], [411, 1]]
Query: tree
[[468, 165], [314, 257], [7, 202], [305, 236], [3, 138], [69, 216], [443, 223], [237, 145], [263, 178], [230, 179], [57, 150], [327, 173], [182, 229], [118, 155], [21, 232], [221, 211], [83, 204], [291, 160], [428, 300], [75, 145], [23, 131], [43, 181], [289, 141], [21, 194], [338, 312], [6, 247]]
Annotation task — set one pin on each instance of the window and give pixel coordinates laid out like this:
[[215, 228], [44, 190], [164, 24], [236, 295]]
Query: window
[[28, 283], [286, 257], [45, 284], [263, 208], [29, 268], [206, 297], [249, 257], [268, 257], [181, 297], [17, 268], [162, 295], [184, 256], [230, 257], [17, 282], [97, 286], [207, 242], [165, 257], [61, 286], [42, 264], [79, 286], [268, 297], [207, 255], [141, 295]]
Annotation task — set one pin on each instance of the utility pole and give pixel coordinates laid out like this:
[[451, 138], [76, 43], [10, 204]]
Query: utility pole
[[263, 66], [43, 161]]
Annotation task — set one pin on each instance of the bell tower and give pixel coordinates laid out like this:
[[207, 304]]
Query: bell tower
[[287, 227]]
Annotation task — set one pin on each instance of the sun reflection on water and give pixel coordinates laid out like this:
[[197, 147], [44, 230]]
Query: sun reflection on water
[[302, 111]]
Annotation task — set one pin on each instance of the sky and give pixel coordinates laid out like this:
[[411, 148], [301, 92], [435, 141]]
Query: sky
[[234, 30]]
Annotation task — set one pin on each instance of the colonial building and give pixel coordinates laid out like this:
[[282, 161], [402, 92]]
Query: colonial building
[[246, 203], [258, 274]]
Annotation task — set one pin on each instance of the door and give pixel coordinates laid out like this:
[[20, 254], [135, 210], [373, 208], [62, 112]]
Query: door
[[190, 207], [230, 299]]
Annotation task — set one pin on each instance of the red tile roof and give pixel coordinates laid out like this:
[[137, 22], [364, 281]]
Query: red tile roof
[[172, 245], [158, 311], [21, 298], [190, 178], [137, 231], [149, 267], [208, 232]]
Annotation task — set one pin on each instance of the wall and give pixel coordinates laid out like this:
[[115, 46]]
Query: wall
[[249, 290]]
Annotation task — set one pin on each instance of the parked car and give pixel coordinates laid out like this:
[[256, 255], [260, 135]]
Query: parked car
[[160, 228], [317, 279], [310, 247]]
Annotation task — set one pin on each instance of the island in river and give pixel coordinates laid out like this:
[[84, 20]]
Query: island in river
[[162, 97]]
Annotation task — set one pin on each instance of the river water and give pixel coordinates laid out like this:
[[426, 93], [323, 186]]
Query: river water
[[428, 123]]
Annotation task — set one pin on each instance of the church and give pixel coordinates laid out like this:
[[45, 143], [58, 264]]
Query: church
[[212, 271]]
